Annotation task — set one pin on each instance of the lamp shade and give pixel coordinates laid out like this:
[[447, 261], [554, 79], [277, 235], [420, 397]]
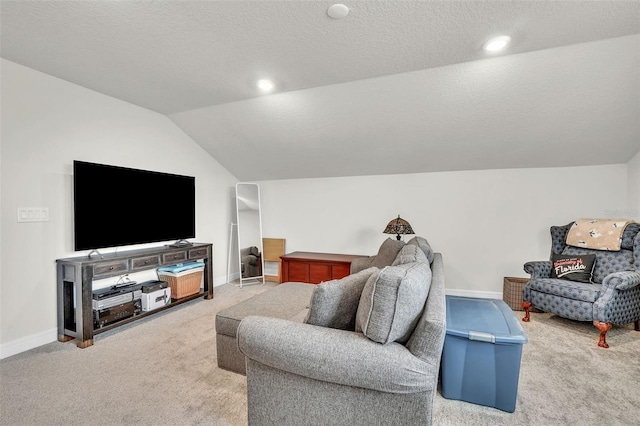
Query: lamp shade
[[398, 226]]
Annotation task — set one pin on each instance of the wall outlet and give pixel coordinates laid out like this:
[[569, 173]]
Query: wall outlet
[[33, 214]]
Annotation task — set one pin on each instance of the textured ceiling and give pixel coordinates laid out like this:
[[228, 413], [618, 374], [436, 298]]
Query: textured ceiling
[[395, 87]]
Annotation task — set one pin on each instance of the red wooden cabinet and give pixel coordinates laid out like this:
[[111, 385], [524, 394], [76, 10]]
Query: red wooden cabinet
[[308, 267]]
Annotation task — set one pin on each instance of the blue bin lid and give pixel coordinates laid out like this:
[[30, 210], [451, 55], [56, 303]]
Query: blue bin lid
[[174, 269], [487, 320]]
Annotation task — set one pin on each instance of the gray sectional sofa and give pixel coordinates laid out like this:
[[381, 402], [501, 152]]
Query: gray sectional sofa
[[363, 350]]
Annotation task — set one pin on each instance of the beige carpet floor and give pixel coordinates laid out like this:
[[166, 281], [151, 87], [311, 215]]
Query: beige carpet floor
[[162, 370]]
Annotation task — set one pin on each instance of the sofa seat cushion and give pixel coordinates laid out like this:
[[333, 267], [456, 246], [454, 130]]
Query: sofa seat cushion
[[285, 301], [392, 302], [334, 303], [575, 290]]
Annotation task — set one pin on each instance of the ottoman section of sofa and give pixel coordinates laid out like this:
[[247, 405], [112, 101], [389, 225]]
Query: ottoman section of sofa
[[286, 301]]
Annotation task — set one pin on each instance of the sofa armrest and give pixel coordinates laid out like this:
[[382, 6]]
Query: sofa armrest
[[538, 269], [361, 263], [331, 355], [622, 280]]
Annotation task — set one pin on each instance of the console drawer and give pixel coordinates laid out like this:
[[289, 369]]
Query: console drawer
[[197, 253], [145, 262], [174, 257], [110, 268], [297, 271]]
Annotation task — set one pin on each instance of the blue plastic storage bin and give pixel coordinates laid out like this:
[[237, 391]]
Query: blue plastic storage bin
[[482, 352]]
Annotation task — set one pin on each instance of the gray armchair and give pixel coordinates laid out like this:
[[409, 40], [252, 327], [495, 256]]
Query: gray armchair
[[614, 296], [299, 373]]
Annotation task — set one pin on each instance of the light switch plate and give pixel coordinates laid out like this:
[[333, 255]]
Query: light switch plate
[[33, 214]]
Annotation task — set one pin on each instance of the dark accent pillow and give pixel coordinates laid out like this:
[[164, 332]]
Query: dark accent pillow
[[573, 267]]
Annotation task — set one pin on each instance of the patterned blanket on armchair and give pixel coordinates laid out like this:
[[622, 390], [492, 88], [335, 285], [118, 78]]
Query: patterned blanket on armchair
[[597, 234]]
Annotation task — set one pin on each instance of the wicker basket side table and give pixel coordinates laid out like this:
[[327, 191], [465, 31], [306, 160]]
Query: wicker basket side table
[[512, 292]]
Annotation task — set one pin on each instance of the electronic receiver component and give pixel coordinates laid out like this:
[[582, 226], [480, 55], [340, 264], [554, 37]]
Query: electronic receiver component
[[108, 316]]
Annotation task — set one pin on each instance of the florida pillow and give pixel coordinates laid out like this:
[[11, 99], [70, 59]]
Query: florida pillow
[[334, 303], [392, 302], [574, 267]]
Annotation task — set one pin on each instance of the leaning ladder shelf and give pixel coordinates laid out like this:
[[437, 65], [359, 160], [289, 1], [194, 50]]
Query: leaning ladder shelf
[[75, 284]]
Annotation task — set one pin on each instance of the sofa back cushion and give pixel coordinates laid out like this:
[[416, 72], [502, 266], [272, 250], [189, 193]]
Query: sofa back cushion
[[334, 303], [387, 253], [410, 253], [428, 337], [629, 235], [559, 237], [424, 246], [392, 302]]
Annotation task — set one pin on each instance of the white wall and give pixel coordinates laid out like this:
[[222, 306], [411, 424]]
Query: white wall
[[46, 124], [633, 177], [487, 224]]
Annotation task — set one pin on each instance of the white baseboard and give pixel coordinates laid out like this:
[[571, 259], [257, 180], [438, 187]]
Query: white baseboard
[[474, 293], [25, 343], [223, 280]]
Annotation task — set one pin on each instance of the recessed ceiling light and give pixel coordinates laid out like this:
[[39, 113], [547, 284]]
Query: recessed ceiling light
[[266, 85], [338, 11], [496, 43]]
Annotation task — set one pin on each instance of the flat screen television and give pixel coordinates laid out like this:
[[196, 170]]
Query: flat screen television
[[117, 206]]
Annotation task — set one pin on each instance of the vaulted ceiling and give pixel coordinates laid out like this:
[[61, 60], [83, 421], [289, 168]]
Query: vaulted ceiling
[[393, 87]]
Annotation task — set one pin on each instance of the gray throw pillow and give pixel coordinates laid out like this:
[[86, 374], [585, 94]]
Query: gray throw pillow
[[334, 303], [410, 253], [392, 302], [424, 245]]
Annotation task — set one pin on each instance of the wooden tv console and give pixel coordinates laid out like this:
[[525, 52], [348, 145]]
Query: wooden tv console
[[75, 284], [308, 267]]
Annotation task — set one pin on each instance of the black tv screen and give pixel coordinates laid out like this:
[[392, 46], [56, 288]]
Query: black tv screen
[[116, 206]]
